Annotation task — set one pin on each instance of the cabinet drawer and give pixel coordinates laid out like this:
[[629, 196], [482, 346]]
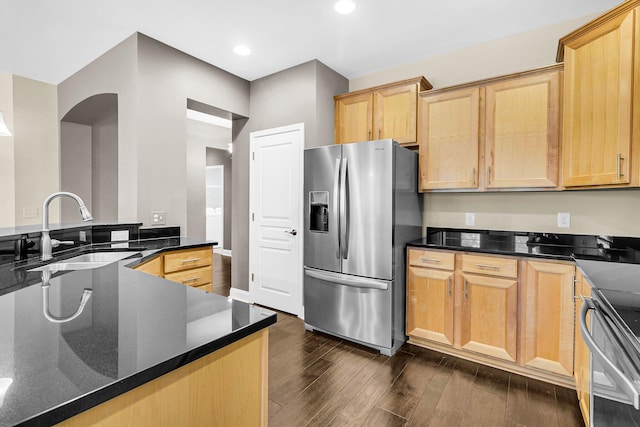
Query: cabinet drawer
[[195, 277], [183, 260], [495, 266], [433, 259]]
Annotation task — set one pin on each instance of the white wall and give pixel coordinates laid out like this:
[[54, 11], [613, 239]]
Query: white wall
[[7, 169]]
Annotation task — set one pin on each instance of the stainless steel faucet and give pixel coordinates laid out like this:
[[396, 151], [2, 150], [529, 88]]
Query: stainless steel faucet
[[46, 243]]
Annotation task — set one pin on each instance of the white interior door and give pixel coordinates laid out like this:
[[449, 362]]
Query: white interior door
[[275, 203]]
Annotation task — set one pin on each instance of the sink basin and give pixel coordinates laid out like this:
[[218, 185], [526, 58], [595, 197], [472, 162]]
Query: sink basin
[[85, 261]]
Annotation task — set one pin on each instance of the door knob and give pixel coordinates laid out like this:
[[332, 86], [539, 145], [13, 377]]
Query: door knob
[[292, 232]]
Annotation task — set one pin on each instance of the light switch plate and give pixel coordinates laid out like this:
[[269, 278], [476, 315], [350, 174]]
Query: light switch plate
[[564, 219]]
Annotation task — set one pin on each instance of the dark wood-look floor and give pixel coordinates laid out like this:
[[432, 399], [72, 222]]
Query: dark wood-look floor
[[319, 380]]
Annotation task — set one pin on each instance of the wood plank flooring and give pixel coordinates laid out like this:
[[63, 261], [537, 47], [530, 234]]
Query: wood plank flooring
[[319, 380]]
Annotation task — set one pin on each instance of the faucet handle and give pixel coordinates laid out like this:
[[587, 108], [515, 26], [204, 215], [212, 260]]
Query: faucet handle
[[55, 243]]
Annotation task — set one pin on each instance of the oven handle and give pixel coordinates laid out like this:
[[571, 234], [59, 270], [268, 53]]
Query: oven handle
[[342, 279], [620, 379]]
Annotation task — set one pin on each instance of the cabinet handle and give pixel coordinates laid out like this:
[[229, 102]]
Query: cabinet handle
[[369, 133], [449, 286], [473, 177], [379, 133], [433, 260], [619, 167], [465, 289], [488, 175], [193, 279], [184, 261], [491, 267]]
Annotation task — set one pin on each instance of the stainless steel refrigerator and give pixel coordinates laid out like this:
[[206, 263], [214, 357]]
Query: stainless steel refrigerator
[[362, 207]]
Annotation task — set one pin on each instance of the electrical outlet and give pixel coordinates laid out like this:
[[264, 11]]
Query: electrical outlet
[[564, 219], [82, 236], [158, 217], [470, 218]]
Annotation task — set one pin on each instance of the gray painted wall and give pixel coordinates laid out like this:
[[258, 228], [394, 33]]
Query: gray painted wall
[[104, 144], [152, 82], [301, 94], [76, 168]]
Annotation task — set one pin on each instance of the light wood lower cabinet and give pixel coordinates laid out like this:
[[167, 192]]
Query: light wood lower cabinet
[[226, 388], [430, 297], [581, 355], [547, 318], [191, 267], [509, 312], [489, 315]]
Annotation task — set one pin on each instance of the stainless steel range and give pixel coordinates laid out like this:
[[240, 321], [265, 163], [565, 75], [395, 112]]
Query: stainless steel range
[[612, 335], [361, 208]]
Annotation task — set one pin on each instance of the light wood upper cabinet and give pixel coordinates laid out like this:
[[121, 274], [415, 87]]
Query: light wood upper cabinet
[[547, 318], [449, 137], [382, 112], [354, 118], [601, 75], [522, 123], [499, 133]]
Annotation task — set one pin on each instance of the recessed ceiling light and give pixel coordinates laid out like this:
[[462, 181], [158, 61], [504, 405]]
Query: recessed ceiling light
[[344, 6], [242, 50]]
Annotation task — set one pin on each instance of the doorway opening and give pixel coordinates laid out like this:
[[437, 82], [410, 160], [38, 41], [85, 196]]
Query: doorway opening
[[209, 166]]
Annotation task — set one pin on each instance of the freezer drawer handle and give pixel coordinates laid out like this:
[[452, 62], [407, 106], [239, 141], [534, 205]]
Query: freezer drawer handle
[[360, 282], [618, 376]]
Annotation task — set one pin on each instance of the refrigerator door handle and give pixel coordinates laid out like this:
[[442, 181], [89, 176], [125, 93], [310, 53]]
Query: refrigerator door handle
[[344, 209], [342, 279], [336, 204]]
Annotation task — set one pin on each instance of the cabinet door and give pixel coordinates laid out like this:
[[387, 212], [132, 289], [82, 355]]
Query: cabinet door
[[395, 114], [449, 132], [353, 118], [598, 105], [430, 304], [489, 315], [548, 320], [522, 123], [153, 266], [581, 357]]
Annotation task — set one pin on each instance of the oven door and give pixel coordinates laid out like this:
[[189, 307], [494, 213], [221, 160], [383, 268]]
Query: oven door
[[615, 375]]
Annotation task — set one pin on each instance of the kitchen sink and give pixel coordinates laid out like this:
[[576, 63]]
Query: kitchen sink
[[85, 261]]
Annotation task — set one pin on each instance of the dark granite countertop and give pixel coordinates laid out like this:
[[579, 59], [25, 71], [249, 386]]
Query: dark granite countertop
[[533, 244], [134, 327]]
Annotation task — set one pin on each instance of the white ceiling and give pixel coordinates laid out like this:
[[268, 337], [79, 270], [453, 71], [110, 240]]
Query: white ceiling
[[50, 40]]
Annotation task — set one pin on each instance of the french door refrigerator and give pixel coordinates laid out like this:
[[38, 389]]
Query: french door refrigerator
[[361, 208]]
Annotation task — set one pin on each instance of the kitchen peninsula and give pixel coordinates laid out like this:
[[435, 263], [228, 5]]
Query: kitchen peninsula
[[142, 351]]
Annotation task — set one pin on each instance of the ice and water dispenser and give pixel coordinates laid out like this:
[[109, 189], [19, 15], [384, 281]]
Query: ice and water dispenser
[[319, 211]]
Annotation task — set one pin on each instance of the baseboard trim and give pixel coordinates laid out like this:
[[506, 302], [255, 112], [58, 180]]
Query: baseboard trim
[[239, 294], [223, 252]]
